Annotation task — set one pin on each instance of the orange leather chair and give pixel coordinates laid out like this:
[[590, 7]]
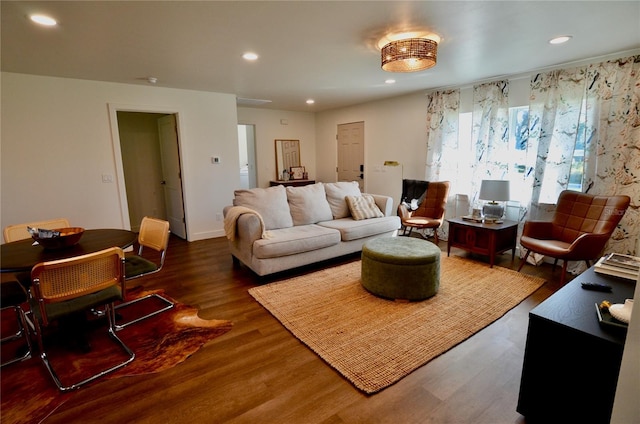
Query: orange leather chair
[[581, 226], [430, 213]]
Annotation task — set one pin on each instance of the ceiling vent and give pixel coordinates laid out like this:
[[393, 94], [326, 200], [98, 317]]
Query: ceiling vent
[[251, 102]]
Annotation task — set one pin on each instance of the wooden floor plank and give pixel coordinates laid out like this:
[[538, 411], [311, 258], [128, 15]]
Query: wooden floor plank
[[259, 373]]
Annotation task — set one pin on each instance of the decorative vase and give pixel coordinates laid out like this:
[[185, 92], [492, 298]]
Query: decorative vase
[[622, 312]]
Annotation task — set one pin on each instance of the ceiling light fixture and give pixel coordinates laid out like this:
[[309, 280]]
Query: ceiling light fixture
[[560, 40], [310, 101], [250, 56], [43, 20], [390, 81], [409, 55]]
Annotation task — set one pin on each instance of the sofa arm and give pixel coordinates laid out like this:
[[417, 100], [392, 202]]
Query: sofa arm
[[248, 229], [385, 203]]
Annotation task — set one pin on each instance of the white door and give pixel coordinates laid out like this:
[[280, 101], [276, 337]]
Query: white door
[[172, 177], [247, 154], [351, 152]]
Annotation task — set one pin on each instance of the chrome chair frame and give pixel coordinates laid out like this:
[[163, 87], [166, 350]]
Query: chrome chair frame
[[154, 234], [21, 321], [44, 292]]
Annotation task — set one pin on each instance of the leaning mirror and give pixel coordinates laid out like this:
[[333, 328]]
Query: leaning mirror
[[287, 155]]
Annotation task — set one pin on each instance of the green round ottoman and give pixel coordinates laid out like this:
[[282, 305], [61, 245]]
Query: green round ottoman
[[401, 268]]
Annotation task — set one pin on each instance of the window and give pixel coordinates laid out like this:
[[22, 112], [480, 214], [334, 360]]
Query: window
[[466, 156], [515, 157], [577, 165]]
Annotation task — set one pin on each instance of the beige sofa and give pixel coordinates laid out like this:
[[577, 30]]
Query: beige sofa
[[278, 228]]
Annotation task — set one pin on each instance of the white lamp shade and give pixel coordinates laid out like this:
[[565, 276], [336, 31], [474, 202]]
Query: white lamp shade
[[495, 190]]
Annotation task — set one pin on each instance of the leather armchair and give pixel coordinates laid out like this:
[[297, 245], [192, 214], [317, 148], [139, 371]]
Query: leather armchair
[[579, 229], [430, 213]]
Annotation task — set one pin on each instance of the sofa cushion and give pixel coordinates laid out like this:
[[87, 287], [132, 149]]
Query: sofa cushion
[[336, 194], [351, 229], [363, 207], [270, 203], [308, 204], [298, 239]]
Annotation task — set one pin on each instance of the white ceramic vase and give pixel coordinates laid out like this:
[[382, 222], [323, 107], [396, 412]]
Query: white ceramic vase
[[622, 312]]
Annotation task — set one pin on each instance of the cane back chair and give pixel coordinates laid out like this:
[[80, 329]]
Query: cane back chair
[[66, 286]]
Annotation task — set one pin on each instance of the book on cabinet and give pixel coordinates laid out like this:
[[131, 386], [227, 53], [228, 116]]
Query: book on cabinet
[[603, 266]]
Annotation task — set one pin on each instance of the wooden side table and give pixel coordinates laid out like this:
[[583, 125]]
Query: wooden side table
[[481, 238]]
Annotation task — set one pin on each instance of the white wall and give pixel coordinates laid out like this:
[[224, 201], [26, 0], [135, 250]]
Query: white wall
[[393, 130], [56, 144], [280, 124]]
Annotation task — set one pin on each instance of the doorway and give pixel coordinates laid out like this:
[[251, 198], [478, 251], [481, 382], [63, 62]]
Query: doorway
[[247, 155], [151, 168], [351, 153]]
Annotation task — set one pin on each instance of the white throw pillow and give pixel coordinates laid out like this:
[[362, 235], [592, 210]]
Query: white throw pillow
[[336, 193], [308, 204], [270, 203], [363, 207]]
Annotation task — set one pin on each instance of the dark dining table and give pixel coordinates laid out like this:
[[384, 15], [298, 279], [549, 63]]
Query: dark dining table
[[22, 255]]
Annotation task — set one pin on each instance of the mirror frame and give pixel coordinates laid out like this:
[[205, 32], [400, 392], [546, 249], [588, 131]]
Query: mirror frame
[[280, 163]]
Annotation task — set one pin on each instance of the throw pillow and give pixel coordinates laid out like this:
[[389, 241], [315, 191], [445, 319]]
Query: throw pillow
[[308, 204], [336, 193], [363, 207], [270, 203]]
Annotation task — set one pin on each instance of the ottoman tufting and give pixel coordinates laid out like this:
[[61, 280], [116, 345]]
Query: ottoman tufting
[[401, 268]]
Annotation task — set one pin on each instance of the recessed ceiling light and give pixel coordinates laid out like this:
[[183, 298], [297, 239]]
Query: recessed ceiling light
[[250, 56], [43, 20], [390, 81], [310, 101], [560, 40]]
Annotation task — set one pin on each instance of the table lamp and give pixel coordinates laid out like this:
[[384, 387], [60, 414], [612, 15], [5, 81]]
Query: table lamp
[[494, 191]]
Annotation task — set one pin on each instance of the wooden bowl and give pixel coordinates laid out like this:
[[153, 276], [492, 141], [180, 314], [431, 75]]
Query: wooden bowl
[[69, 236]]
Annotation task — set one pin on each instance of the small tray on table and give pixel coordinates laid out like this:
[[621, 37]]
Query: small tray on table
[[605, 318]]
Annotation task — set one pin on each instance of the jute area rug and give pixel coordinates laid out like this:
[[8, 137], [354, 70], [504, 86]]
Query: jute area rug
[[375, 342], [160, 342]]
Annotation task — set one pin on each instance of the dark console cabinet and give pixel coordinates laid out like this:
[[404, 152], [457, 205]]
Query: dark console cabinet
[[571, 361]]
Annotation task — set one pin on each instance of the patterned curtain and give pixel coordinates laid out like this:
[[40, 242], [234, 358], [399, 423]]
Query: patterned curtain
[[555, 112], [612, 154], [490, 134], [594, 109], [442, 162]]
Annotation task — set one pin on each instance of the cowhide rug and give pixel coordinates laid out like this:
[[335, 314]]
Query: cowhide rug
[[160, 342]]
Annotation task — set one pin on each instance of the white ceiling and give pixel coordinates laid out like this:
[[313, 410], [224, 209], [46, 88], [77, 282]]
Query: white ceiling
[[325, 50]]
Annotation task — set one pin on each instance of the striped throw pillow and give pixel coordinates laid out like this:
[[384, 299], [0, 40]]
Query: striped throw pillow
[[363, 207]]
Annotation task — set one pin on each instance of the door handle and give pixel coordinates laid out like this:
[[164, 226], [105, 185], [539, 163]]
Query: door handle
[[361, 176], [163, 182]]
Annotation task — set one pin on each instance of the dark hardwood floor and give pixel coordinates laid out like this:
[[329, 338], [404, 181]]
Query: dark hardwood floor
[[259, 373]]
